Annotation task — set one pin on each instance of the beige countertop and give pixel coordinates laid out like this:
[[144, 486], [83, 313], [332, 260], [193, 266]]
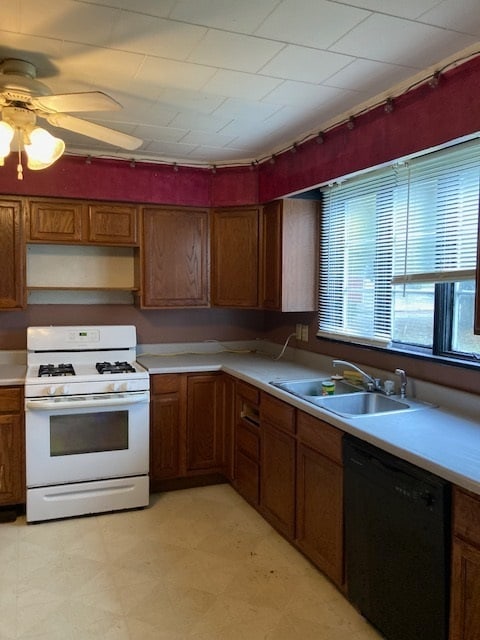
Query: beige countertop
[[444, 439], [12, 374]]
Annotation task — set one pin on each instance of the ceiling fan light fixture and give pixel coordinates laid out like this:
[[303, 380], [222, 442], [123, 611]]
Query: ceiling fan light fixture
[[6, 135], [43, 149]]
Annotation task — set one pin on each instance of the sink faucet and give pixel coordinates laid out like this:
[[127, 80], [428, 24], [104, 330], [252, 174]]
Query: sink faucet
[[403, 382], [373, 384]]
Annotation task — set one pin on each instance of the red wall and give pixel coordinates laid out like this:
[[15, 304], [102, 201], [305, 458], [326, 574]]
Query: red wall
[[422, 118]]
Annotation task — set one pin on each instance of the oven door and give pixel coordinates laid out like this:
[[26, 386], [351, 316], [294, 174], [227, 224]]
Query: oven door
[[81, 438]]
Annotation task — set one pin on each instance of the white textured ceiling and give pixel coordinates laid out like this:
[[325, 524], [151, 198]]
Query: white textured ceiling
[[231, 81]]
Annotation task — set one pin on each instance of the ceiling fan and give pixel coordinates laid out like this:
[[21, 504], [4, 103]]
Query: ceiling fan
[[23, 98]]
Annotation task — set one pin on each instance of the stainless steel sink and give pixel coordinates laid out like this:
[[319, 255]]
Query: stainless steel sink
[[348, 400], [313, 387], [362, 404]]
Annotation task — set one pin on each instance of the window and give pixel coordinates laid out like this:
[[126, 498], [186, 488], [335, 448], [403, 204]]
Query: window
[[398, 255]]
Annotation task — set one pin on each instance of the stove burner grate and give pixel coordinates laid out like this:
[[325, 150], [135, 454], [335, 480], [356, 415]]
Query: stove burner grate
[[49, 370], [115, 367]]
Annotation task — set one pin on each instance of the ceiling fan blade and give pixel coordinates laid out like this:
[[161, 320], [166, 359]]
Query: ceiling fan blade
[[84, 101], [96, 131]]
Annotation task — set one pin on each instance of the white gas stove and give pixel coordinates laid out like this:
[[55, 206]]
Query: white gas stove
[[87, 421]]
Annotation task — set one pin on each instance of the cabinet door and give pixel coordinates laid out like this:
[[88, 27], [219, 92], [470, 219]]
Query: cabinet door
[[320, 511], [228, 402], [235, 257], [56, 221], [465, 596], [277, 484], [12, 250], [165, 428], [175, 258], [289, 255], [12, 450], [205, 442], [112, 224], [247, 477], [12, 469], [272, 256]]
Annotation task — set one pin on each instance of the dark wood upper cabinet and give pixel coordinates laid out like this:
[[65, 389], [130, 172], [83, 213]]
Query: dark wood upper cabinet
[[235, 257], [12, 250], [112, 224], [78, 221], [175, 257], [289, 255], [55, 221]]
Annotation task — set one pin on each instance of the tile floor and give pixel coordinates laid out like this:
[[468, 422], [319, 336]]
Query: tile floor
[[198, 564]]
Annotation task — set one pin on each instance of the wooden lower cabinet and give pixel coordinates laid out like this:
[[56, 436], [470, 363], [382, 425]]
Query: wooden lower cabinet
[[12, 448], [465, 597], [277, 464], [205, 436], [246, 472], [186, 426], [277, 488], [465, 582], [166, 427], [319, 495]]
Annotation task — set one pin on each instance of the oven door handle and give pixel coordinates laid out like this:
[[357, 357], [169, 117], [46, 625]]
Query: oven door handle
[[117, 400]]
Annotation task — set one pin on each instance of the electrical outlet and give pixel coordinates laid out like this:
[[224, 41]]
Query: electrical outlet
[[298, 331], [304, 332]]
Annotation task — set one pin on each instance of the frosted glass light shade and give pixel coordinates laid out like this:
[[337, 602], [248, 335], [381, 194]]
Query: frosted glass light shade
[[6, 135], [43, 150]]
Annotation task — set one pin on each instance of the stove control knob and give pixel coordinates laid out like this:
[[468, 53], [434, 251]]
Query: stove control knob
[[51, 390], [116, 387], [64, 389]]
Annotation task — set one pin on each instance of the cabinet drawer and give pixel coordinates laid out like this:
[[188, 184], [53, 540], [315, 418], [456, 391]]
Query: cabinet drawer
[[278, 413], [11, 400], [466, 522], [320, 436], [248, 441], [248, 392], [247, 478], [165, 383]]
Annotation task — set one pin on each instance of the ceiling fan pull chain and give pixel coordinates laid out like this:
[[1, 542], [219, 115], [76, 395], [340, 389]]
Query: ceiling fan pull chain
[[19, 165]]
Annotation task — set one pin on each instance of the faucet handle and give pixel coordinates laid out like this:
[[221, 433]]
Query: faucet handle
[[389, 387], [403, 381]]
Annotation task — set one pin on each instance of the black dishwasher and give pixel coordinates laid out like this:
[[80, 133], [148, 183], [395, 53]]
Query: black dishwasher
[[397, 543]]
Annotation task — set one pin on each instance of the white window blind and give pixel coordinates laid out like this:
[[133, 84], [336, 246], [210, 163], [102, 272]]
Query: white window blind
[[436, 216], [415, 222]]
